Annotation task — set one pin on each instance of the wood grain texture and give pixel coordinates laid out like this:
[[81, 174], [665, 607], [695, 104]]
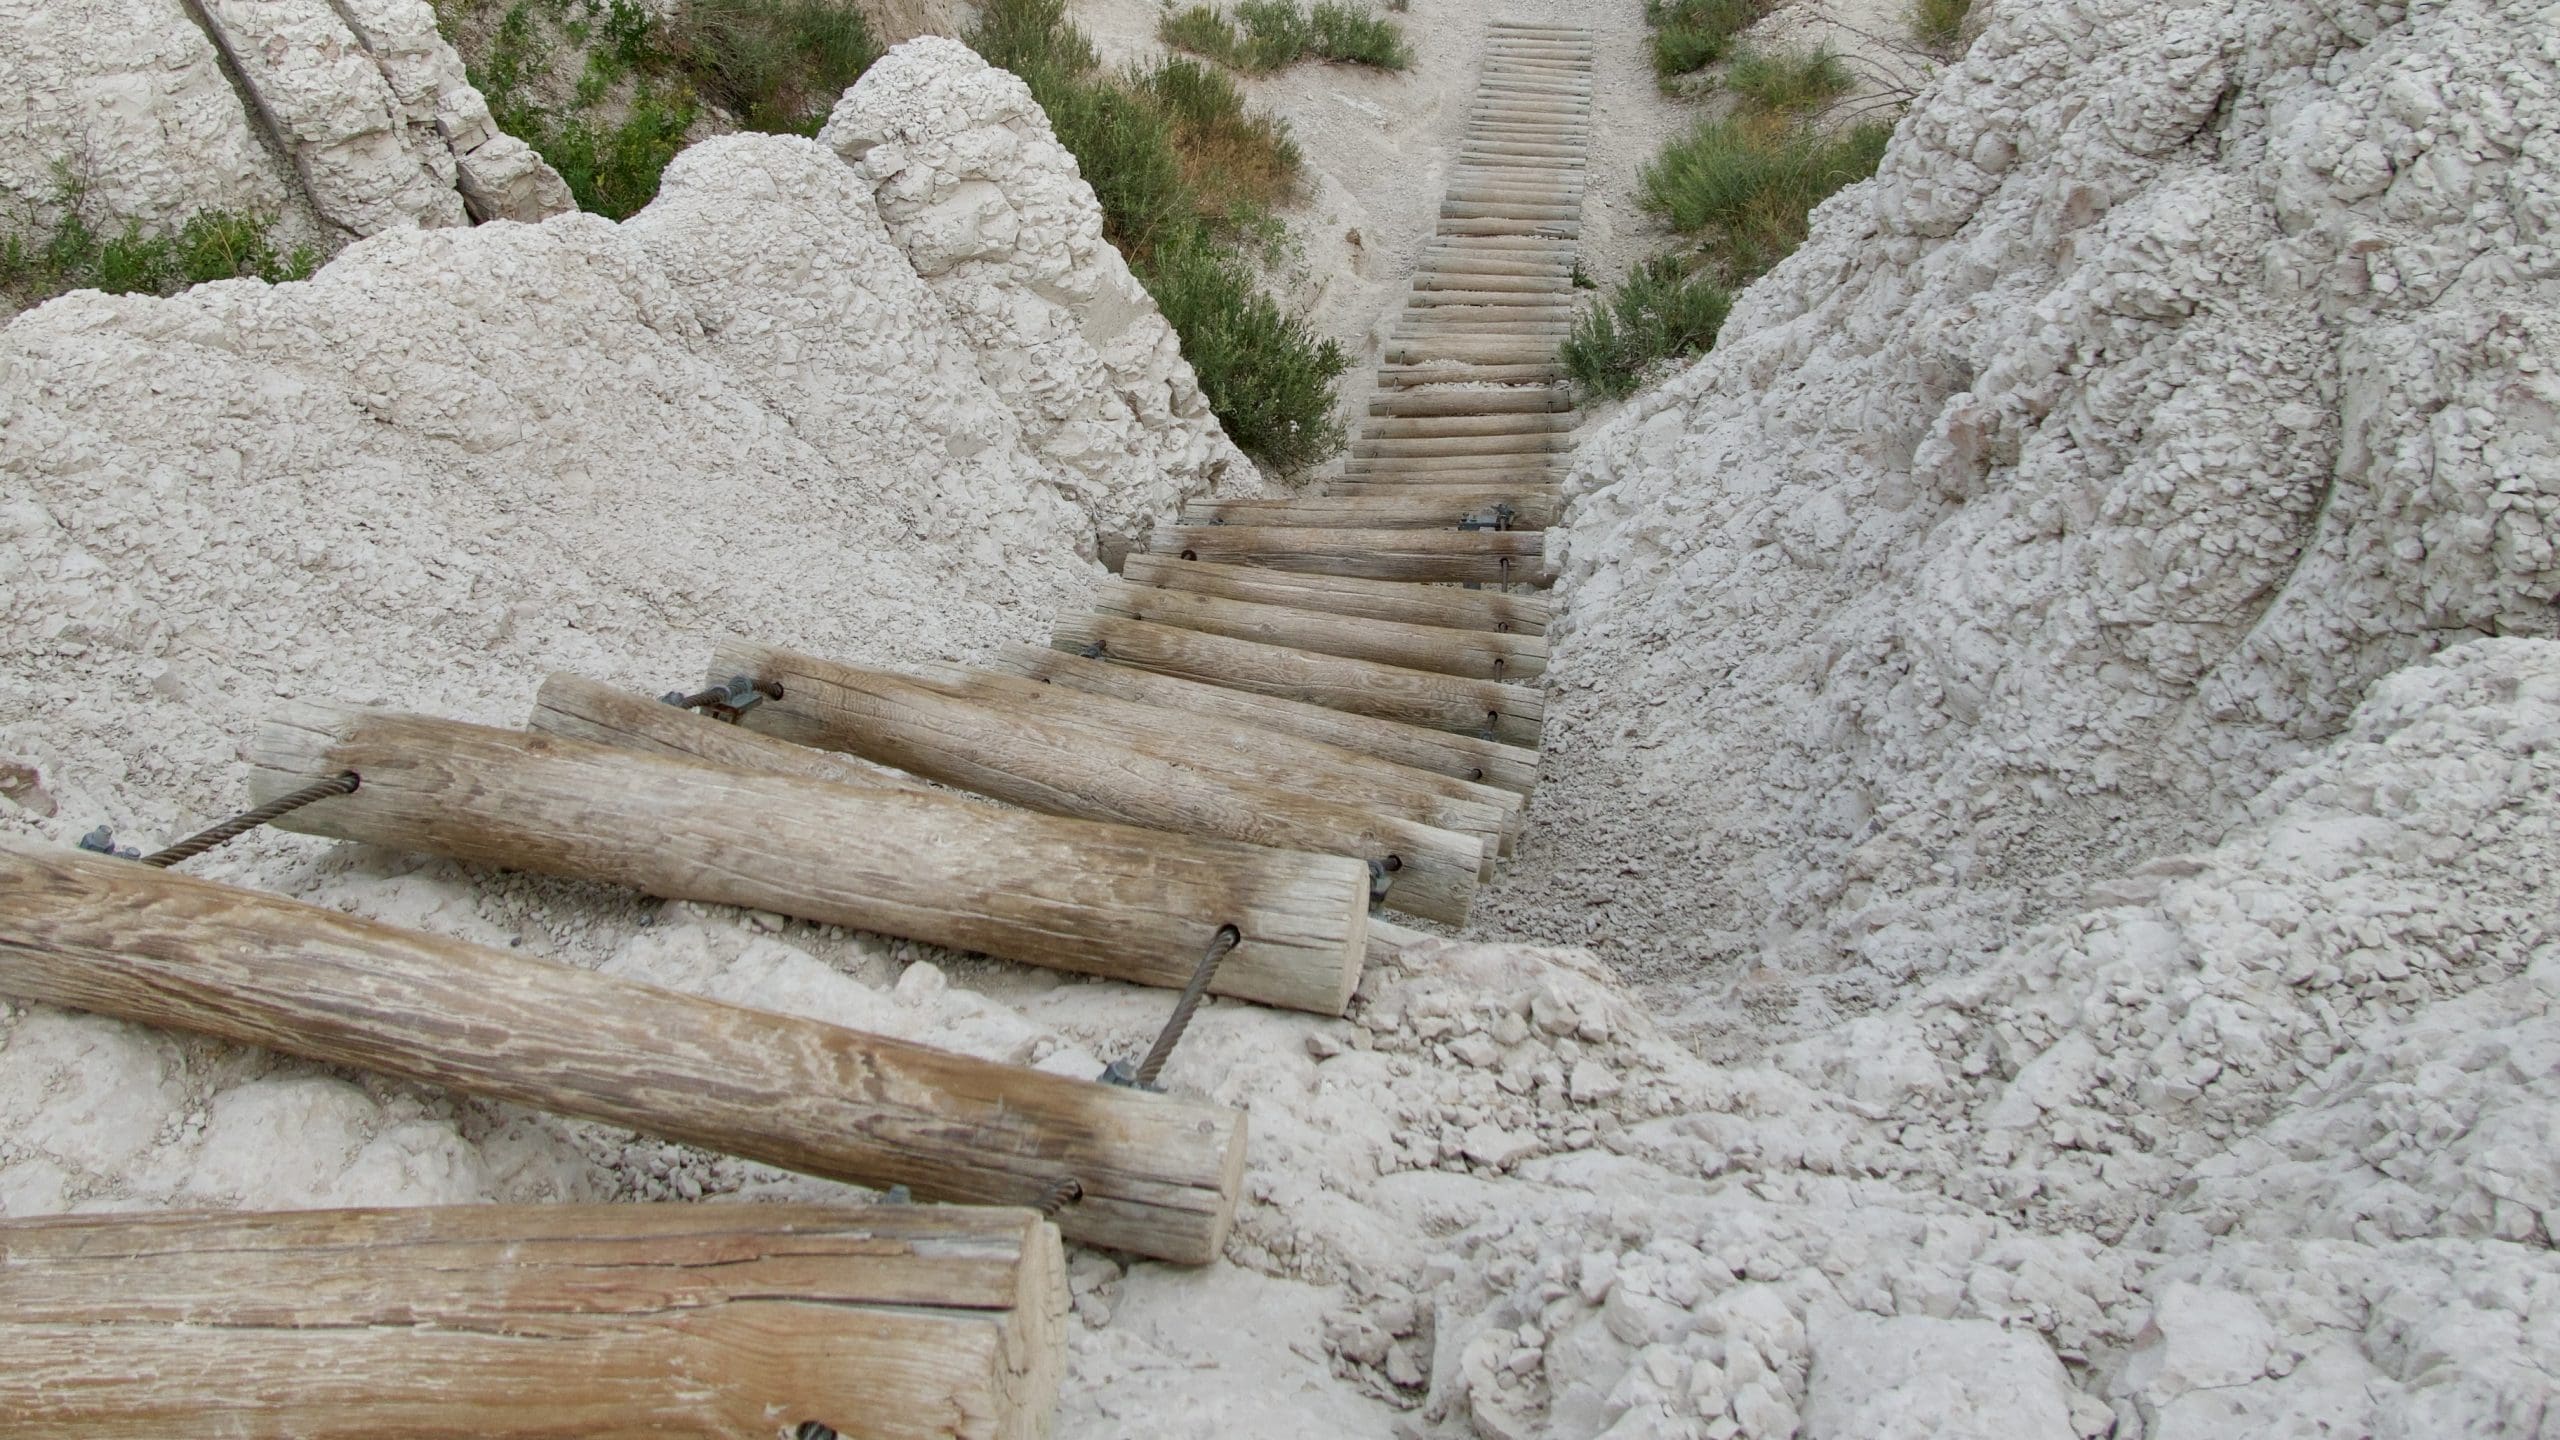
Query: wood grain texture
[[1469, 424], [1505, 446], [1256, 752], [1473, 654], [1515, 400], [1016, 754], [1422, 507], [589, 710], [1160, 1175], [1394, 377], [1490, 762], [1486, 557], [1445, 605], [947, 869], [1488, 351], [1509, 713], [902, 1322]]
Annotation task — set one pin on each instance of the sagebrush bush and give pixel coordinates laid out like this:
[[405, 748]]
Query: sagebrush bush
[[1787, 82], [1147, 140], [1659, 312], [777, 65], [1265, 35], [1234, 159], [1744, 187], [613, 168], [1939, 24], [1689, 35]]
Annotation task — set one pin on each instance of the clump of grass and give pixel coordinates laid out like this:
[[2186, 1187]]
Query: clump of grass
[[1268, 377], [37, 264], [1659, 312], [1744, 187], [613, 168], [1266, 35], [1787, 82], [1939, 24], [1689, 35], [1349, 35], [777, 65]]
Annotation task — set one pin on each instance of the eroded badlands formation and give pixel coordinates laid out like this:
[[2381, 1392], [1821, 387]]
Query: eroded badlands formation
[[2055, 730]]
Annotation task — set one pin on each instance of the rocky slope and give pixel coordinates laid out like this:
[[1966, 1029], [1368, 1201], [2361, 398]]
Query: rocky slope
[[341, 120], [2072, 649]]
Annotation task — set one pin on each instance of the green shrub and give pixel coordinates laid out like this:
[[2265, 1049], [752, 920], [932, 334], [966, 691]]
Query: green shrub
[[1745, 187], [1147, 140], [777, 65], [1352, 36], [1268, 378], [1939, 24], [1659, 312], [614, 169], [211, 245], [1265, 35], [1690, 35], [1787, 82], [1235, 160], [1202, 30]]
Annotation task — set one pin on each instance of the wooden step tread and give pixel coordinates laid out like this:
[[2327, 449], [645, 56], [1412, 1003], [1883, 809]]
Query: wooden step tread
[[1471, 654], [1486, 709], [1442, 605]]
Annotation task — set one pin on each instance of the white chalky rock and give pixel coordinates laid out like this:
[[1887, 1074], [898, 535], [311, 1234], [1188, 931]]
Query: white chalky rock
[[130, 96], [2184, 370], [1911, 1377], [990, 209], [499, 176], [368, 163]]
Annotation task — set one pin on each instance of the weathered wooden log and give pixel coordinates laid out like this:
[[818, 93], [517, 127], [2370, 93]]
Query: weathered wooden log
[[900, 1322], [1454, 373], [1417, 446], [1442, 605], [945, 869], [1482, 557], [1507, 210], [1012, 752], [1489, 708], [1421, 507], [1518, 423], [1159, 1175], [1490, 762], [1425, 323], [1520, 400], [1541, 284], [1475, 654], [1432, 289], [1460, 469], [590, 710], [1504, 247], [1291, 762], [1469, 352]]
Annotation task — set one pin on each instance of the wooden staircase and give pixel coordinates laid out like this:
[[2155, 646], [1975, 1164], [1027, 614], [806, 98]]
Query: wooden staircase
[[1287, 715]]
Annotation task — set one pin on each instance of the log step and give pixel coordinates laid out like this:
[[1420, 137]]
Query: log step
[[1426, 507], [1467, 757], [1416, 426], [1487, 709], [1015, 753], [1441, 605], [945, 869], [1258, 752], [1160, 1176], [1473, 400], [1470, 654], [516, 1321], [1485, 557]]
